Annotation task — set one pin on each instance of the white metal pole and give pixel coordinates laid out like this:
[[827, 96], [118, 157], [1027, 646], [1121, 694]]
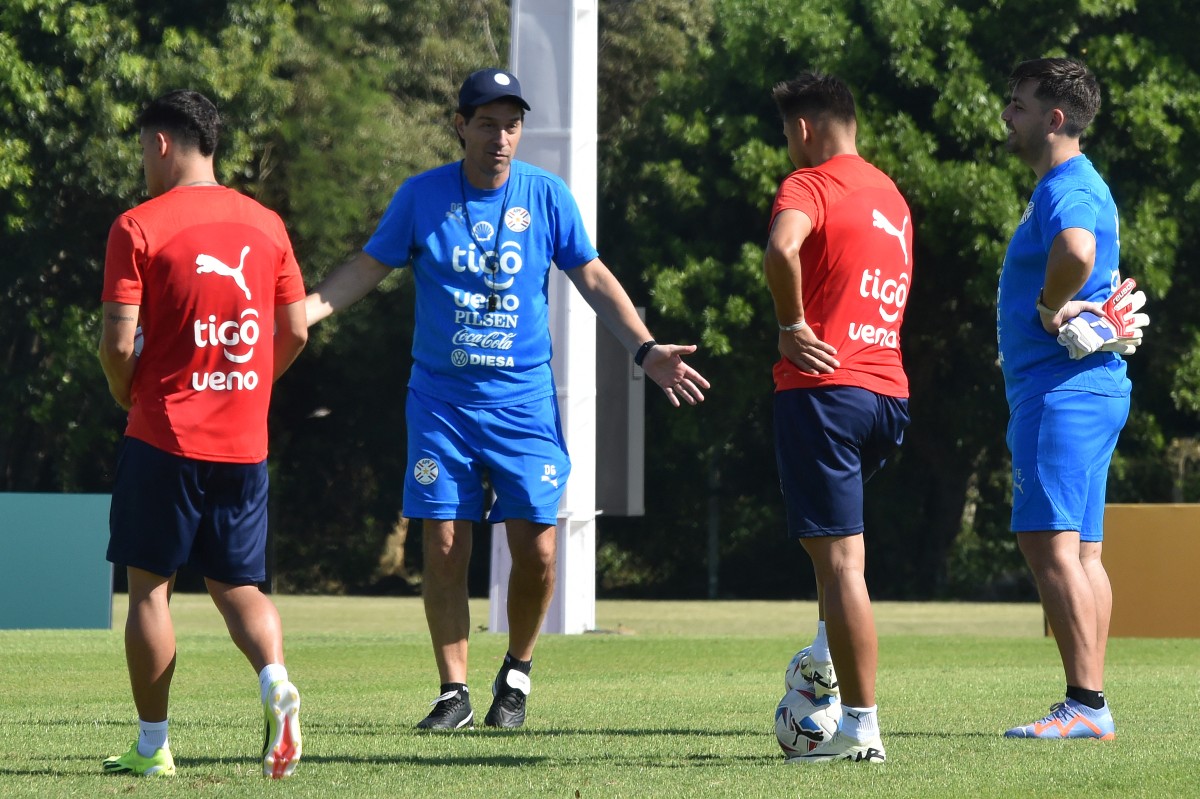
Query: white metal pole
[[554, 55]]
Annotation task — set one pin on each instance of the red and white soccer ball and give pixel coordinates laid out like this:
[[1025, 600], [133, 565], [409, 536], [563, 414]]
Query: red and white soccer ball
[[803, 721]]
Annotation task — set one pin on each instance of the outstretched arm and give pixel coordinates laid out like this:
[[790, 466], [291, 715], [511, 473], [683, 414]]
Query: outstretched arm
[[346, 285], [664, 362]]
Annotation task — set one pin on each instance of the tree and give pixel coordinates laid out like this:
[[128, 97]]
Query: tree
[[375, 89], [331, 105], [75, 77], [327, 108], [689, 190]]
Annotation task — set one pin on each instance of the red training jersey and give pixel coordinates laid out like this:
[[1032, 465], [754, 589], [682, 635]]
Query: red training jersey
[[856, 272], [207, 266]]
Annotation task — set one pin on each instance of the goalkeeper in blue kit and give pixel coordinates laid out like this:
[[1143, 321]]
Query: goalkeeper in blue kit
[[1064, 320]]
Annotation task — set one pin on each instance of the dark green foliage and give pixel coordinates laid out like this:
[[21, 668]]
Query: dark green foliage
[[75, 77], [331, 105], [687, 197], [376, 86]]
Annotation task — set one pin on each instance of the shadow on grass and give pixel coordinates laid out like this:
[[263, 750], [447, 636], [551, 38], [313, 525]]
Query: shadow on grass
[[405, 731], [946, 736], [392, 731], [505, 761], [463, 737], [398, 759], [382, 730]]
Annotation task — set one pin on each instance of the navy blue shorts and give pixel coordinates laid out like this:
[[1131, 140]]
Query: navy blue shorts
[[450, 448], [168, 510], [828, 443]]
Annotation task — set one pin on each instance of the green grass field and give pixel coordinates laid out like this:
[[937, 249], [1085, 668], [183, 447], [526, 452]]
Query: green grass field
[[672, 699]]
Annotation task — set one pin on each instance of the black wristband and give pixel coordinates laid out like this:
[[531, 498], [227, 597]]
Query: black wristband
[[640, 355]]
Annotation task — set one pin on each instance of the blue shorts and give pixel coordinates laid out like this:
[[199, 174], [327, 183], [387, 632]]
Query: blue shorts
[[1062, 443], [168, 510], [519, 449], [828, 443]]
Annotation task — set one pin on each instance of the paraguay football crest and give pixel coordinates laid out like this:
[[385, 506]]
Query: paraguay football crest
[[517, 220], [425, 471]]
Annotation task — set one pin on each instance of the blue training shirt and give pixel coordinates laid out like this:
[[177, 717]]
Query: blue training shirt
[[1072, 195], [463, 352]]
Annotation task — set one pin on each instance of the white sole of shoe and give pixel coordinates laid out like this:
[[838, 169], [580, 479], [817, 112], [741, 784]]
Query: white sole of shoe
[[283, 752]]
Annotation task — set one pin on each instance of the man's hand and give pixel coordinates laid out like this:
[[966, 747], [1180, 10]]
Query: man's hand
[[664, 365], [806, 351]]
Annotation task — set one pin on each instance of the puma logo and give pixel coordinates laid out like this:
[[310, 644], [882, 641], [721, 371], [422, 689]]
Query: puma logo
[[884, 224], [207, 263]]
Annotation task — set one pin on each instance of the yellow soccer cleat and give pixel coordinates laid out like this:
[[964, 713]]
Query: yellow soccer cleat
[[160, 764]]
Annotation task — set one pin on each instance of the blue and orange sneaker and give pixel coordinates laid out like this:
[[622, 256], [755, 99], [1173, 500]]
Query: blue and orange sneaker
[[1070, 719]]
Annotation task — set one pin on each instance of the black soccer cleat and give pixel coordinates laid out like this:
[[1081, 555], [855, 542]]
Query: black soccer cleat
[[510, 690], [451, 711]]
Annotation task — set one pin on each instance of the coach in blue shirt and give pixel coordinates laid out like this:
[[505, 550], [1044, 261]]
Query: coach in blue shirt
[[480, 236]]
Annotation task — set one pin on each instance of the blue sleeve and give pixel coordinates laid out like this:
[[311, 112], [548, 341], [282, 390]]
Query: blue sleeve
[[572, 245], [392, 242], [1077, 208]]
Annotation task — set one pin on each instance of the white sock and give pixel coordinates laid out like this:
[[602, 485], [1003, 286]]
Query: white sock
[[820, 645], [271, 673], [860, 723], [152, 736]]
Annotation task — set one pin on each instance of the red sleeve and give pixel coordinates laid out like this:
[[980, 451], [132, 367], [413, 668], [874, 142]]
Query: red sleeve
[[289, 283], [801, 191], [123, 262]]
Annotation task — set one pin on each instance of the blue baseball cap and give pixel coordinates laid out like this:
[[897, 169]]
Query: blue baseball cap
[[487, 86]]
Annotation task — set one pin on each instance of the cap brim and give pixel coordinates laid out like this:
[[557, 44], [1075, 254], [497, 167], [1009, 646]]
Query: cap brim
[[493, 98]]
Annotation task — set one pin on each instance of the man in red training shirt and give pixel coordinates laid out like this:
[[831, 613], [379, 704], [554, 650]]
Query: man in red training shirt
[[209, 276], [839, 266]]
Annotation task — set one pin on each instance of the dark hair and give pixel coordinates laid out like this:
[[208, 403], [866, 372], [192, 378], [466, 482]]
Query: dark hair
[[812, 94], [188, 116], [1065, 84]]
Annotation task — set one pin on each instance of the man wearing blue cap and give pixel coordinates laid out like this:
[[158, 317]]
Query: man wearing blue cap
[[480, 235]]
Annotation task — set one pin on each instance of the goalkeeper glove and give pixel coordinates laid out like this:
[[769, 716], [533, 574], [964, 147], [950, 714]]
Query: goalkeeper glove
[[1118, 330]]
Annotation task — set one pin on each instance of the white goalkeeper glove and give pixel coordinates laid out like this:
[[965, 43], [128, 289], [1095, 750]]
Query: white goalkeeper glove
[[1119, 329]]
